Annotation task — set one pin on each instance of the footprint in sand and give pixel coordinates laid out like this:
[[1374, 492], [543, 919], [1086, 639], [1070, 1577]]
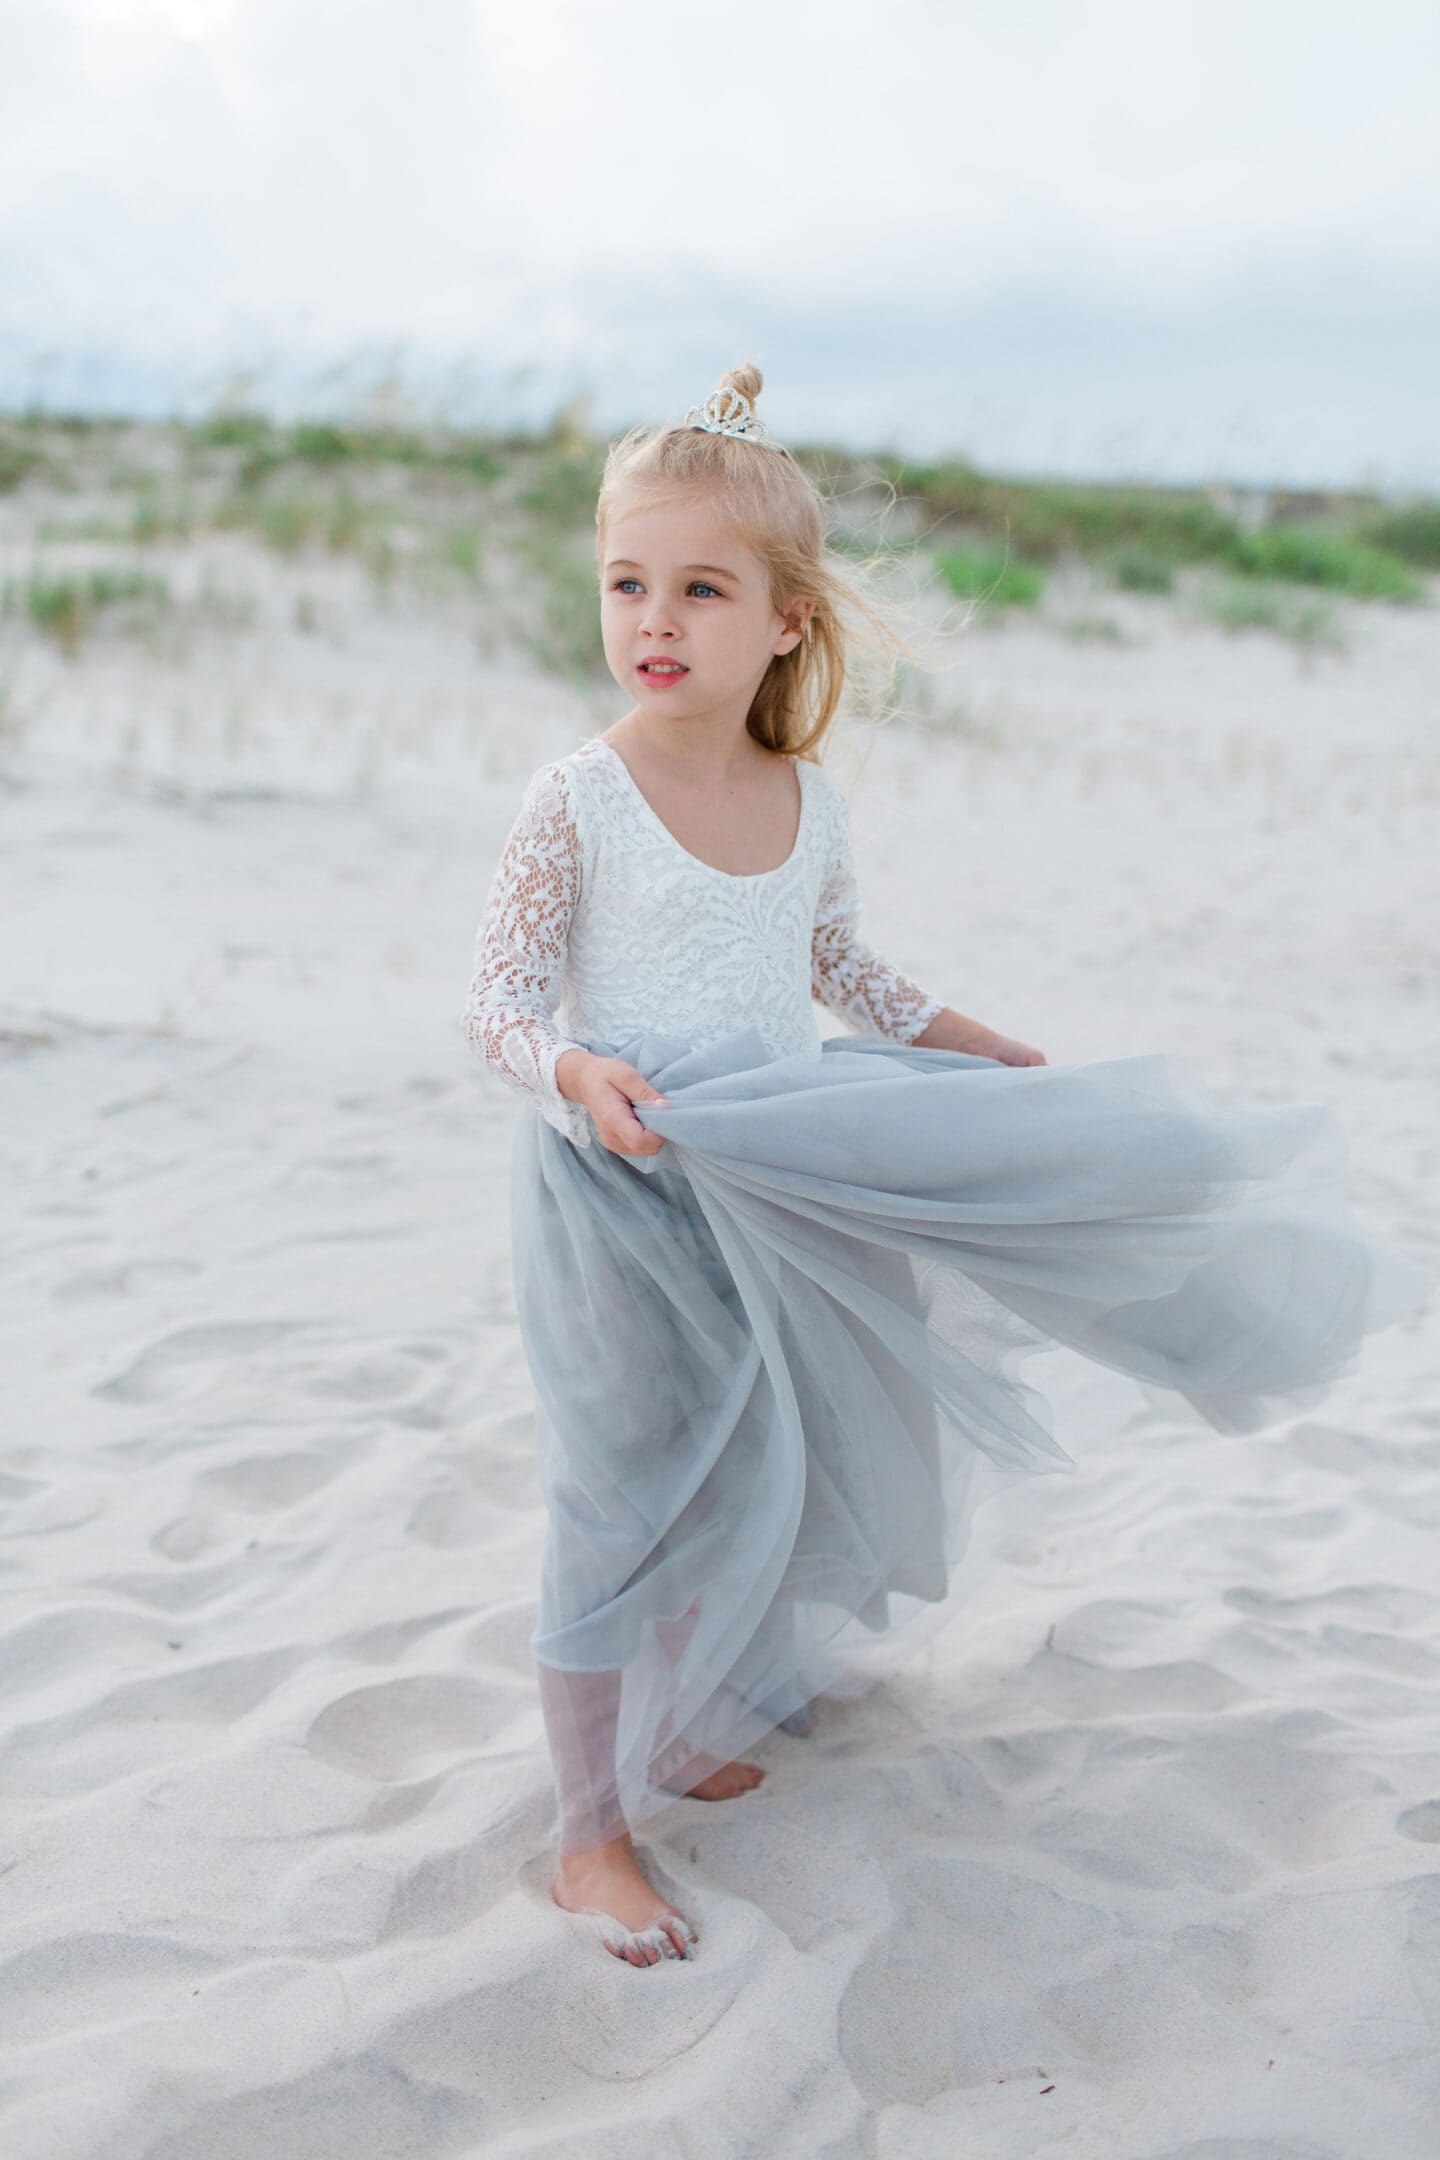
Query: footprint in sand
[[406, 1728], [93, 1284], [261, 1483], [1421, 1823], [177, 1364], [368, 1379], [185, 1538]]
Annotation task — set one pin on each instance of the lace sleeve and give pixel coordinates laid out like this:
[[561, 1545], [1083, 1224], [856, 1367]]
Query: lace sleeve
[[520, 951], [847, 975]]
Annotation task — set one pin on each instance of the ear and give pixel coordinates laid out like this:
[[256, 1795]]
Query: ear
[[797, 626]]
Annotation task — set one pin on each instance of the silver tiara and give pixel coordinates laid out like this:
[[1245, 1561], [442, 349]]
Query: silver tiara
[[730, 412]]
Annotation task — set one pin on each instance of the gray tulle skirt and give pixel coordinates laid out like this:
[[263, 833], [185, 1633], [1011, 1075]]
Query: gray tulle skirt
[[778, 1365]]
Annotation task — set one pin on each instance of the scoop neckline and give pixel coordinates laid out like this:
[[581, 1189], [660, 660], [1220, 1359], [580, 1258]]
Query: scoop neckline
[[735, 877]]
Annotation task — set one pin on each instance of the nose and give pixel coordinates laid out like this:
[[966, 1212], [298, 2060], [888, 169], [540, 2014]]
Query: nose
[[657, 621]]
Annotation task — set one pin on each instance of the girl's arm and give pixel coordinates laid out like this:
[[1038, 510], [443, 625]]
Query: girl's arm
[[846, 974], [520, 952], [851, 979]]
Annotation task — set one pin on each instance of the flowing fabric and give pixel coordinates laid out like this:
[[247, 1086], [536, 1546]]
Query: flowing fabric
[[778, 1365]]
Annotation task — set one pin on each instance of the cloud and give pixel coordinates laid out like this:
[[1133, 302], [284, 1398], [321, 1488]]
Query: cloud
[[1151, 194]]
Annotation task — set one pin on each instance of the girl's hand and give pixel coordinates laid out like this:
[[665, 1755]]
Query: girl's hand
[[951, 1030], [1010, 1052], [607, 1087]]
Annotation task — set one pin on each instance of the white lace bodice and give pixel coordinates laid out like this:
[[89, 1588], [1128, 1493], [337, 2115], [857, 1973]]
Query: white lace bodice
[[599, 925]]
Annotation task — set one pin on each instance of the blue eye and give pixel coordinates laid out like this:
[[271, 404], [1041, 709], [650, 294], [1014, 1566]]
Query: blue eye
[[695, 584]]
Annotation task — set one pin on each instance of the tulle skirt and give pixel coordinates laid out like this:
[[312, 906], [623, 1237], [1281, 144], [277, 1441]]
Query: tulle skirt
[[780, 1364]]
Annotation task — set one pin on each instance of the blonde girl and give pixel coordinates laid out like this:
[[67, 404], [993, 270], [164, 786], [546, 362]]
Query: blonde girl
[[775, 1292]]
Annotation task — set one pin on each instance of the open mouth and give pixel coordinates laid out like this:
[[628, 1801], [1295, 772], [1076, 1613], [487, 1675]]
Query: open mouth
[[662, 670]]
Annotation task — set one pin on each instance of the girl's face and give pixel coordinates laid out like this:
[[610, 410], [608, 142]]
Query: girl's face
[[685, 611]]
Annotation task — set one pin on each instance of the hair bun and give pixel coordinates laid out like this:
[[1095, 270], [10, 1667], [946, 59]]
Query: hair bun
[[746, 378]]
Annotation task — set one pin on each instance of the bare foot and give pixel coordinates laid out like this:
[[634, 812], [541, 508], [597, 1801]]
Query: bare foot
[[726, 1782], [608, 1882]]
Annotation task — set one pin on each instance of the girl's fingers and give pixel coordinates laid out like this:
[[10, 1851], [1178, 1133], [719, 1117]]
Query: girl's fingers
[[638, 1088], [630, 1136]]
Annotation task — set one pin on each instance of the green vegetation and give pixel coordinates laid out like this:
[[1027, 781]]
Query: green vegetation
[[1309, 556], [19, 461], [565, 636], [235, 431], [1254, 604], [1094, 630], [455, 512], [563, 486], [461, 549], [1044, 520], [1144, 535], [1412, 532], [64, 607], [158, 516], [1140, 568], [325, 445], [990, 577]]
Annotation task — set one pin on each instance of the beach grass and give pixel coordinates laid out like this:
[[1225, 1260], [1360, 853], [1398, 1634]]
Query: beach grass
[[1142, 567], [1411, 531], [64, 606], [990, 577], [1044, 520], [1238, 603], [453, 512], [1337, 560]]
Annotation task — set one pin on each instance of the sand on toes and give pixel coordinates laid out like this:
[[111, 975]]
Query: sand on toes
[[629, 1915]]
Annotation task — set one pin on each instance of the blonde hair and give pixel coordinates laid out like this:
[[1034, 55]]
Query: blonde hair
[[781, 516]]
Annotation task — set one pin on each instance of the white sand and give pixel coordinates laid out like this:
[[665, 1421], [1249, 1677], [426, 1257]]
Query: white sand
[[1140, 1860]]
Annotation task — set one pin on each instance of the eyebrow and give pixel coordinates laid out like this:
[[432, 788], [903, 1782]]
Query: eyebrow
[[624, 562]]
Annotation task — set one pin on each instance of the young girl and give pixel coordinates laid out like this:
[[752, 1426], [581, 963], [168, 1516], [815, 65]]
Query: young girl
[[775, 1292]]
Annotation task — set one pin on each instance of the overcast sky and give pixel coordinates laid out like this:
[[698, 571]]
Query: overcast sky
[[1106, 237]]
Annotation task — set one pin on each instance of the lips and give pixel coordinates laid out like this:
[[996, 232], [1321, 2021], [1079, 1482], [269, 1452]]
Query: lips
[[668, 667]]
